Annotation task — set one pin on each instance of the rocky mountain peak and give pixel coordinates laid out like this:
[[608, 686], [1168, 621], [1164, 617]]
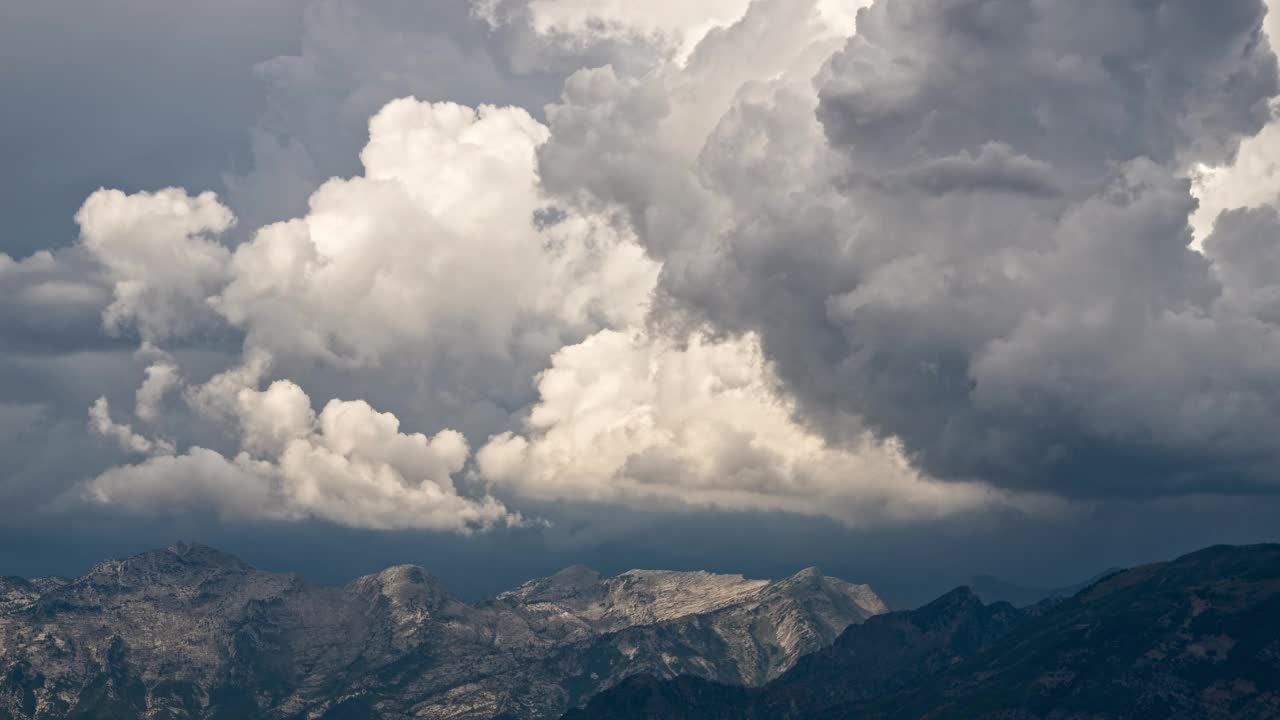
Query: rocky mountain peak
[[399, 576], [405, 587], [577, 586], [811, 583], [571, 580], [406, 575], [575, 574], [179, 563], [809, 579], [193, 555], [948, 608], [808, 574]]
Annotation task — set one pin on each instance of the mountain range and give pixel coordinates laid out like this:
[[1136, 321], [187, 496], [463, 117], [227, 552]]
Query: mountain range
[[1197, 638], [188, 633]]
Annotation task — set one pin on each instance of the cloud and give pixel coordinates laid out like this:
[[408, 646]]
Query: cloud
[[995, 168], [1252, 179], [595, 33], [1058, 343], [391, 275], [1072, 84], [1245, 249], [161, 378], [396, 269], [943, 267], [352, 59], [393, 269], [198, 480], [54, 302], [675, 26], [970, 231], [642, 421], [161, 256], [128, 440], [404, 260], [349, 465]]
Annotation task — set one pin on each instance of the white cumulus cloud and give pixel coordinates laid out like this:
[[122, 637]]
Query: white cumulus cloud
[[160, 254], [348, 464], [435, 251], [131, 442], [161, 377], [633, 419]]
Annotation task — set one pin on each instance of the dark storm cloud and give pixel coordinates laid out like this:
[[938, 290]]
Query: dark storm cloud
[[1006, 284], [1076, 85], [1098, 379], [1245, 246], [995, 168]]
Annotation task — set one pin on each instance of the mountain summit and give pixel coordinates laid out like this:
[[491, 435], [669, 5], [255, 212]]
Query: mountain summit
[[190, 632]]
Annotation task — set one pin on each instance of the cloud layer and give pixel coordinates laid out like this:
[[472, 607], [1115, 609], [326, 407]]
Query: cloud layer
[[932, 258]]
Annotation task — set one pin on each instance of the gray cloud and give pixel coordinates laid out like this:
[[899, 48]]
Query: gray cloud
[[1077, 85], [994, 168], [982, 250], [1245, 247], [1077, 346], [54, 303]]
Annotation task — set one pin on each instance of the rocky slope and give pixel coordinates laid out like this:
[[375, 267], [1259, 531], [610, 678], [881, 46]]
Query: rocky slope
[[189, 632], [887, 653], [1195, 638]]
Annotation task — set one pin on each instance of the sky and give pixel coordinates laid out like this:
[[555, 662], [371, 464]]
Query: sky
[[911, 290]]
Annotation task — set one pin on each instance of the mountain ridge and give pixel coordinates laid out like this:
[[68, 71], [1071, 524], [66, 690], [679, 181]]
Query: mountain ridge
[[191, 632], [1195, 637], [993, 589]]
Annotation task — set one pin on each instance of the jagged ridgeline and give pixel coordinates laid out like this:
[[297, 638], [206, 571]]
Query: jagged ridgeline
[[189, 632], [1197, 638]]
